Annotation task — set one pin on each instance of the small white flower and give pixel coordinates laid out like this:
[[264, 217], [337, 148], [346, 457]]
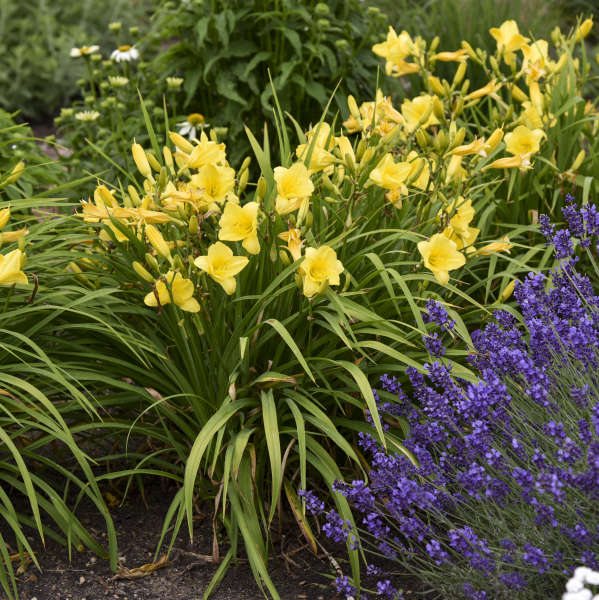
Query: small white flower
[[118, 81], [574, 585], [126, 53], [592, 577], [583, 594], [83, 51], [87, 115], [582, 573], [190, 127]]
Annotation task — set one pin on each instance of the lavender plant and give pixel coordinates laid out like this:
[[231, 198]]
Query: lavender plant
[[497, 494]]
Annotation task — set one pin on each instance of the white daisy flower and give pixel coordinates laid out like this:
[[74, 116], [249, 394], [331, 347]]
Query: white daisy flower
[[118, 81], [87, 115], [126, 53], [83, 51], [190, 127]]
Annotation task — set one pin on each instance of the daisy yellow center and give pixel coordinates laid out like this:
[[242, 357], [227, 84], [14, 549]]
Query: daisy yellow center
[[124, 48], [196, 118]]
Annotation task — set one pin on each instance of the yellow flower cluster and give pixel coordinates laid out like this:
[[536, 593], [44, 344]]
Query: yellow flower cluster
[[193, 197], [430, 157]]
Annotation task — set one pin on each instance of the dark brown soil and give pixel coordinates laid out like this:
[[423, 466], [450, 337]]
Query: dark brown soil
[[300, 576]]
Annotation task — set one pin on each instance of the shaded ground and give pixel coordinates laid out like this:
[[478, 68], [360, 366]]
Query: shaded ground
[[188, 573]]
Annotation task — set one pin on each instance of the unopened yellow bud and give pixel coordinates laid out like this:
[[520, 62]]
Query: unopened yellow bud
[[389, 138], [193, 225], [434, 44], [157, 241], [353, 108], [152, 262], [459, 107], [495, 66], [142, 272], [469, 50], [4, 216], [459, 74], [15, 173], [518, 94], [141, 161], [21, 244], [261, 188], [584, 29], [465, 87], [284, 257], [423, 138], [436, 85], [168, 159], [507, 291], [134, 195], [458, 138], [438, 109], [178, 262], [180, 142], [243, 181], [245, 164], [153, 162], [440, 142], [367, 156], [578, 161], [494, 140], [339, 175], [362, 145]]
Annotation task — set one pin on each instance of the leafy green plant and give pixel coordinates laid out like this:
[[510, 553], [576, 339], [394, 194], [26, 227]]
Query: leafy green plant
[[225, 51], [37, 76]]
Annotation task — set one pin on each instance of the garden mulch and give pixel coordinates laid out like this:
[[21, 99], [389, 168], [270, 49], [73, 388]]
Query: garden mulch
[[186, 575]]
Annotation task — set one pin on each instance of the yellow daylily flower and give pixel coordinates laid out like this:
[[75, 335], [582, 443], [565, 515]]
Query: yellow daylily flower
[[390, 175], [509, 39], [294, 186], [206, 152], [440, 256], [536, 62], [395, 49], [419, 112], [323, 141], [240, 223], [222, 266], [10, 268], [320, 267], [464, 239], [216, 182], [503, 245], [293, 237], [173, 197], [181, 293], [530, 116], [464, 213], [523, 141], [487, 90]]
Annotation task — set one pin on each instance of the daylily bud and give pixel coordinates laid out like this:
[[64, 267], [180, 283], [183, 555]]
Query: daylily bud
[[367, 156], [465, 87], [4, 217], [141, 161], [440, 142], [459, 137], [389, 138], [243, 181], [15, 173], [434, 44], [180, 142], [495, 66], [469, 50], [423, 138], [168, 159], [578, 161], [309, 219], [261, 188], [23, 259], [157, 241], [245, 164], [438, 109], [193, 225], [436, 85], [507, 291], [178, 262], [518, 94], [362, 145], [21, 244], [273, 253], [584, 29], [459, 107], [152, 262], [459, 74], [134, 195], [353, 108], [494, 140], [339, 175], [162, 178], [284, 257], [142, 272], [153, 162]]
